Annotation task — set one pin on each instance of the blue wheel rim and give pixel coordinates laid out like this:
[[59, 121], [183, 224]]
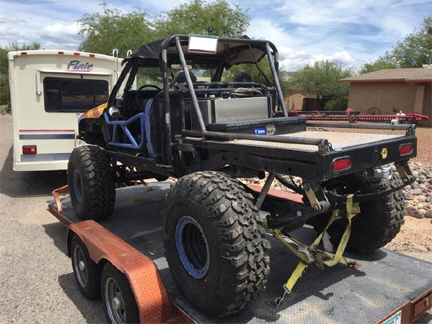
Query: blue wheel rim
[[77, 185], [192, 247]]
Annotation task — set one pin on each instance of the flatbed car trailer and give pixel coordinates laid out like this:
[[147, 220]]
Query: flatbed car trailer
[[388, 288]]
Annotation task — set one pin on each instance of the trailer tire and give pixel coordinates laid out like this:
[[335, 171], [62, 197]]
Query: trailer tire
[[379, 219], [86, 271], [91, 183], [214, 243], [118, 299]]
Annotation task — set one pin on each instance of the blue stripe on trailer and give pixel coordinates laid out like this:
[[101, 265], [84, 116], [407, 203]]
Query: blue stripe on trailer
[[46, 136]]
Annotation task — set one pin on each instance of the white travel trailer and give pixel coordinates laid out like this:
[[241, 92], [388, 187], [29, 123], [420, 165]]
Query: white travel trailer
[[49, 91]]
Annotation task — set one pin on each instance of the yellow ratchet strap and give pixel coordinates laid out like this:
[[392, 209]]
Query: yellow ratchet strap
[[352, 209]]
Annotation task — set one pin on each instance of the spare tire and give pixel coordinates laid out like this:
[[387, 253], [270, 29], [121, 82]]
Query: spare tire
[[379, 220]]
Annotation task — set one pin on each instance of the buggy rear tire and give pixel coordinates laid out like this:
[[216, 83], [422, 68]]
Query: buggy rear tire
[[86, 271], [91, 182], [379, 220], [214, 243], [118, 299]]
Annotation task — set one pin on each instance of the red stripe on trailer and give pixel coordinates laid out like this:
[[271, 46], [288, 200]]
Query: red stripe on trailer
[[47, 130]]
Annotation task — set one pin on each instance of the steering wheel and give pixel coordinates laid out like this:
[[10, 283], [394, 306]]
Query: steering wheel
[[139, 102]]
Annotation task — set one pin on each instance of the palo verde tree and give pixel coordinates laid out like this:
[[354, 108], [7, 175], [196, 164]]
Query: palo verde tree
[[384, 62], [218, 18], [114, 29], [322, 78], [413, 51]]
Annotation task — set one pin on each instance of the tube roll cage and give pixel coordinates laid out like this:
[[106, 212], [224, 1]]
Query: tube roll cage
[[273, 62], [272, 55]]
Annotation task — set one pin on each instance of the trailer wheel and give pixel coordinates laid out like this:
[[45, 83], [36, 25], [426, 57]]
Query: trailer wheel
[[117, 296], [86, 272], [91, 182], [380, 219], [214, 243]]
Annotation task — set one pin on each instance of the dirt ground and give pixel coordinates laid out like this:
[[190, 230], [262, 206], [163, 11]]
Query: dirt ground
[[415, 237]]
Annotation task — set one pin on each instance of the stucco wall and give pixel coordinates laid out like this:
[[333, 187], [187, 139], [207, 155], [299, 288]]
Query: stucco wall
[[388, 97], [427, 103], [294, 99]]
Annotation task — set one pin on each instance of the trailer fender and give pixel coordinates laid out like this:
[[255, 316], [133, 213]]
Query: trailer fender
[[149, 290]]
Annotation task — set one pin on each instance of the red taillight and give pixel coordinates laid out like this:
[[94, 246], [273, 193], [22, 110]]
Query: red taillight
[[29, 149], [341, 164], [61, 53], [77, 54], [92, 55], [23, 53], [405, 149]]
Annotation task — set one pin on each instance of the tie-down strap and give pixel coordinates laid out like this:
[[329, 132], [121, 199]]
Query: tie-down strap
[[310, 254]]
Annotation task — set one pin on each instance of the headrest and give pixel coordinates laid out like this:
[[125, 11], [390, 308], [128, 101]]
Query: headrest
[[242, 76]]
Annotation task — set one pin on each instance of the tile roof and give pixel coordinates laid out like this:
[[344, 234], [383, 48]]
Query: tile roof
[[415, 75]]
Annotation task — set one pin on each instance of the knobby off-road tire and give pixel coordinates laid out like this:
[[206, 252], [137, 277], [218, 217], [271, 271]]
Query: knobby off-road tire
[[118, 299], [380, 219], [214, 243], [91, 182], [86, 272]]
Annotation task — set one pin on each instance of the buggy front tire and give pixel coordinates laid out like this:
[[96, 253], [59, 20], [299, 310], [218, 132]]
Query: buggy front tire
[[91, 182], [214, 243]]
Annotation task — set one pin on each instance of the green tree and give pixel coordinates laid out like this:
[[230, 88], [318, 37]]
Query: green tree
[[110, 29], [218, 18], [415, 49], [4, 68], [103, 31], [322, 78], [4, 78], [384, 62]]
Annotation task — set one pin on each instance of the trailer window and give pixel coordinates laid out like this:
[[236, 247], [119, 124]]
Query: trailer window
[[74, 95]]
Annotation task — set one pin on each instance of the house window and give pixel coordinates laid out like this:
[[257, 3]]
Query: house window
[[74, 95]]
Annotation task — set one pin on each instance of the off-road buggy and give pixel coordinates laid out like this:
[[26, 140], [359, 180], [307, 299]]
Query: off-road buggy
[[209, 111]]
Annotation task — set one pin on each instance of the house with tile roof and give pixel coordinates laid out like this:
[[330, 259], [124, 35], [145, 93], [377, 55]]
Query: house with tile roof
[[391, 91]]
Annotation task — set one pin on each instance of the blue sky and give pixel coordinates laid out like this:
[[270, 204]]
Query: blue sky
[[351, 32]]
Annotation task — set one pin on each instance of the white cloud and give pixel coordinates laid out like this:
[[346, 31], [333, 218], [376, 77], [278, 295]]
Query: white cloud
[[267, 29], [291, 60], [348, 31], [351, 32], [61, 30]]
